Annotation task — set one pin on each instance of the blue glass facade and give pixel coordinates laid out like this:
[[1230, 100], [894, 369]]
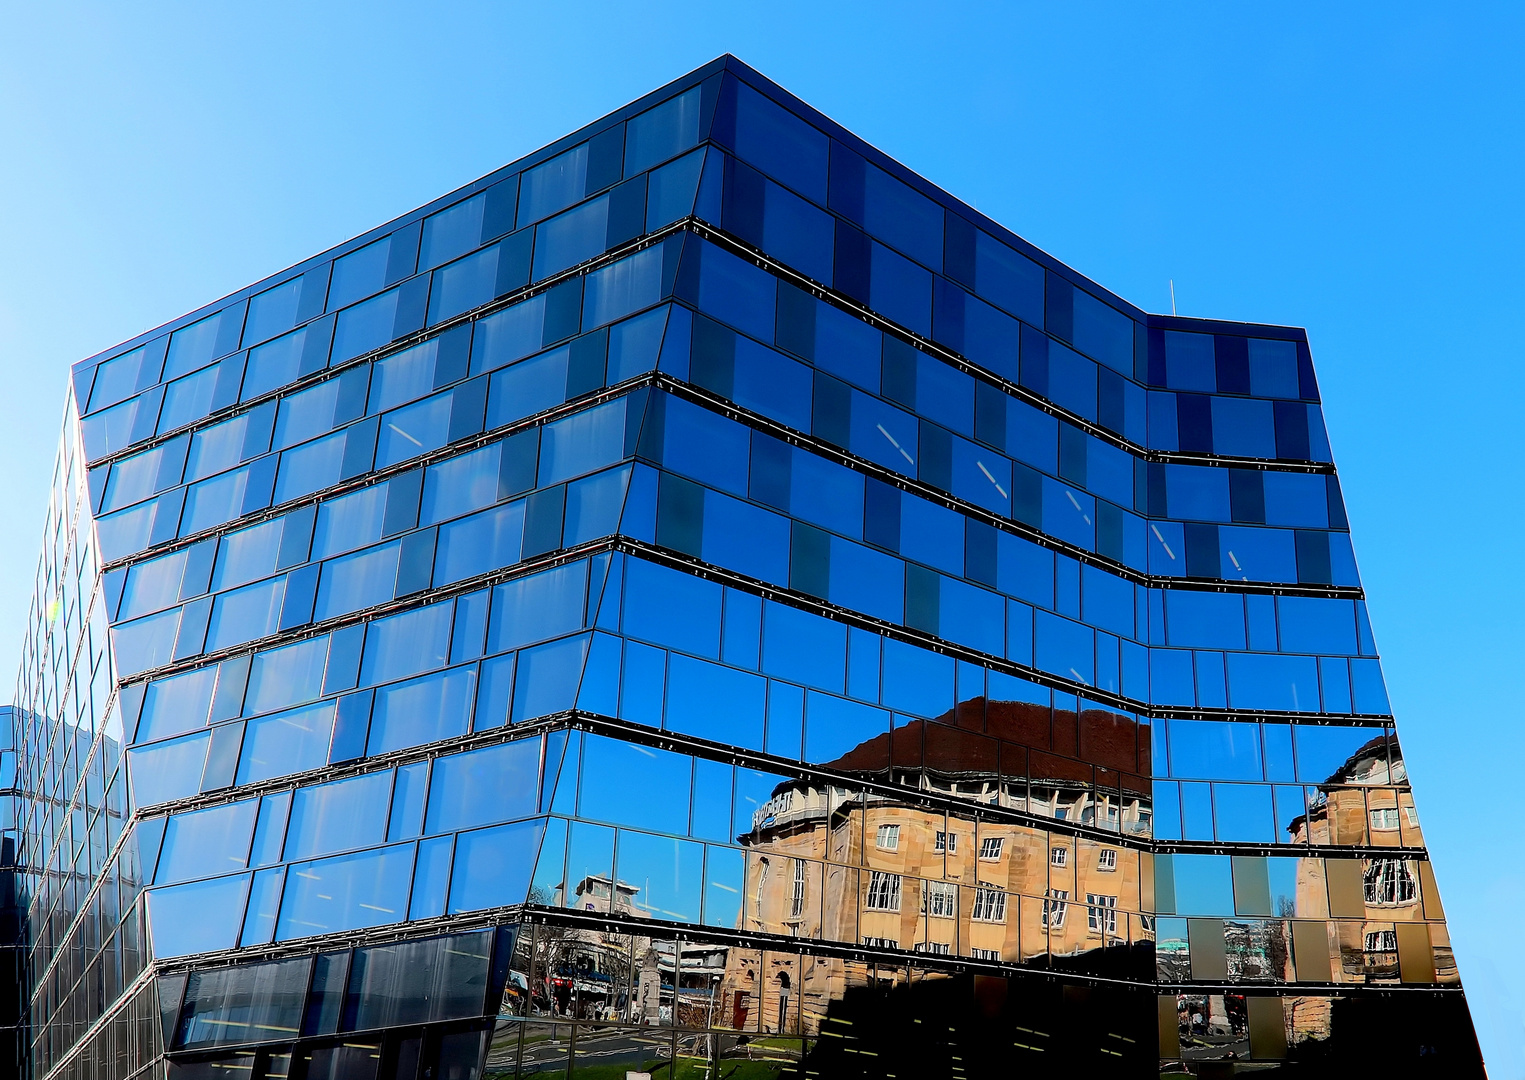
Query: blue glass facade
[[701, 597]]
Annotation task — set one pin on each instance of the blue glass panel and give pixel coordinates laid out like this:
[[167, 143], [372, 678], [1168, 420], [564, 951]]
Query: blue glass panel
[[770, 383], [1326, 754], [826, 494], [349, 892], [214, 501], [932, 534], [547, 677], [671, 873], [611, 766], [527, 387], [480, 543], [1252, 554], [205, 843], [1273, 368], [422, 710], [338, 816], [403, 376], [431, 878], [1257, 681], [981, 476], [1369, 688], [847, 347], [903, 217], [152, 585], [1243, 427], [286, 743], [204, 916], [244, 614], [492, 866], [414, 430], [310, 467], [451, 232], [748, 539], [1204, 884], [508, 335], [780, 143], [797, 233], [1312, 624], [706, 446], [571, 238], [672, 608], [177, 704], [714, 702], [1205, 620], [280, 678], [273, 365], [834, 726], [883, 434], [365, 326], [244, 556], [1189, 362], [737, 292], [593, 506], [866, 580], [359, 274], [349, 522], [622, 287], [188, 399], [460, 485], [552, 185], [1006, 278], [538, 606], [1299, 499], [1107, 601], [634, 345], [1103, 332], [1069, 513], [484, 786], [1197, 493], [803, 647], [1064, 648], [660, 132], [406, 644], [972, 616], [583, 442], [900, 290], [916, 680], [357, 581]]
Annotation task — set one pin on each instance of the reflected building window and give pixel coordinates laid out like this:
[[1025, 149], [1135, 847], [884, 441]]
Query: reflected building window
[[1054, 907], [1389, 882], [887, 838], [990, 848], [883, 891]]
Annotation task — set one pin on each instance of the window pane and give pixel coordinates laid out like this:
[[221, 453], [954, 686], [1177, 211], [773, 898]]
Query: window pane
[[346, 893], [422, 711], [201, 917], [205, 843], [286, 743], [280, 678], [334, 817]]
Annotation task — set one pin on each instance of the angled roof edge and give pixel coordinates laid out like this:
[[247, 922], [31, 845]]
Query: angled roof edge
[[724, 63]]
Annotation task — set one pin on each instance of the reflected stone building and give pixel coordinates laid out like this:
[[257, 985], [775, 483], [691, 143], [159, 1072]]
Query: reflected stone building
[[702, 601]]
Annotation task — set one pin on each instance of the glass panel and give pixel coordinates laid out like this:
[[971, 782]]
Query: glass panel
[[346, 893], [335, 817], [205, 843]]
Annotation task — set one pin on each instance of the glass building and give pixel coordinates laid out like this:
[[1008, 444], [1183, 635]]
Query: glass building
[[701, 601]]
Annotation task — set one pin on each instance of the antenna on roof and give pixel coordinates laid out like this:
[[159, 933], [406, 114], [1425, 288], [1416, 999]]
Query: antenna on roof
[[1172, 296]]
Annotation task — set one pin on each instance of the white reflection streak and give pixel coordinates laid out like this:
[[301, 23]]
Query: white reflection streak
[[1242, 575], [405, 435], [903, 454], [1156, 530], [998, 487], [1071, 496]]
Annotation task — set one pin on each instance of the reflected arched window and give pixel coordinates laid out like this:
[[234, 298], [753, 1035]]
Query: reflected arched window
[[1389, 881]]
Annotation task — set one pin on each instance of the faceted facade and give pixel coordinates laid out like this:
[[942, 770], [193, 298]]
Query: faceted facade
[[701, 598]]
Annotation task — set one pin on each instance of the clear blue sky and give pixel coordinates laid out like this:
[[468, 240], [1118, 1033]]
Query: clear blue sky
[[1354, 171]]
